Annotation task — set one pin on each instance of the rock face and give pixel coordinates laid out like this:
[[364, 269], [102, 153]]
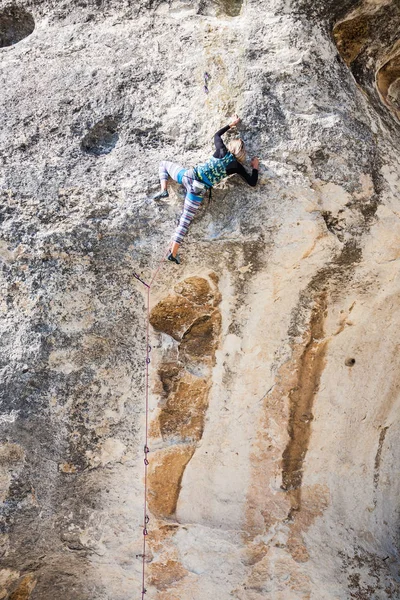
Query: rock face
[[274, 376]]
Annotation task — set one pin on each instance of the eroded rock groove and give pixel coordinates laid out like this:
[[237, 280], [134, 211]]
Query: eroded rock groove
[[378, 459], [301, 400]]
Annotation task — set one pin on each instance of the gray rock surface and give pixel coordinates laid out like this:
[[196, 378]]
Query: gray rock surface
[[274, 395]]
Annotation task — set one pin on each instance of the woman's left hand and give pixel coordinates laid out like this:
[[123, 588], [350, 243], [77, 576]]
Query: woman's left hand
[[235, 121], [255, 163]]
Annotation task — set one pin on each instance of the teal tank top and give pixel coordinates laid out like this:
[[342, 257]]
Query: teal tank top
[[214, 169]]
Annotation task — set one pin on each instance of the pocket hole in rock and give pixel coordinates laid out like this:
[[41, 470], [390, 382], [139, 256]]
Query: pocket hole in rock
[[101, 138], [231, 8], [349, 362], [221, 8], [15, 25]]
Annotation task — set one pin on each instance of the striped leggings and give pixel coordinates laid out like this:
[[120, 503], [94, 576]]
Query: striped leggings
[[194, 191]]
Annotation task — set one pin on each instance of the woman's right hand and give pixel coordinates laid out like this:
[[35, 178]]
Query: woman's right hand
[[255, 163], [235, 121]]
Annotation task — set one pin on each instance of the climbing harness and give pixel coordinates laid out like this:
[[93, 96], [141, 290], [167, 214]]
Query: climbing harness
[[146, 449], [201, 187]]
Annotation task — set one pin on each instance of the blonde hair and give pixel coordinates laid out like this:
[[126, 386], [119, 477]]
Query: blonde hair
[[237, 148]]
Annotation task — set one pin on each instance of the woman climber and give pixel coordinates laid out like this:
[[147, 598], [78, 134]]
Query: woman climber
[[224, 162]]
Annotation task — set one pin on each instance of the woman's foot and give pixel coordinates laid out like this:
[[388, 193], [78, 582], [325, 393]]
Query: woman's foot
[[173, 258], [159, 195]]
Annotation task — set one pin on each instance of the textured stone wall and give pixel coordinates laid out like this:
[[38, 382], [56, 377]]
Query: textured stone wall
[[274, 386]]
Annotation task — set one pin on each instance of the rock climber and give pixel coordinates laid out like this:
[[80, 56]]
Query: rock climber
[[224, 162]]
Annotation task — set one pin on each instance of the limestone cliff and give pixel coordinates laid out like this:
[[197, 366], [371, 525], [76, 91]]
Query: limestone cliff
[[274, 376]]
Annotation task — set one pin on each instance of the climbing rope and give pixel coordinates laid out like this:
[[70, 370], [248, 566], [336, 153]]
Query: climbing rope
[[146, 450]]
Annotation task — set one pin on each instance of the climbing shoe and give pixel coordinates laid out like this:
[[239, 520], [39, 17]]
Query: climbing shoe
[[163, 194], [174, 259]]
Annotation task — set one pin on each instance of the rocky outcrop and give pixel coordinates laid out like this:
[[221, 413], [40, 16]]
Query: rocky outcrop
[[274, 355], [367, 39]]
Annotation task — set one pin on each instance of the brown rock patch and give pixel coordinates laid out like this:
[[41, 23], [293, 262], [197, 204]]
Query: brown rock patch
[[164, 574], [255, 553], [351, 36], [24, 588], [169, 374], [190, 317], [165, 476], [200, 341], [174, 315], [184, 413], [67, 468], [196, 289]]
